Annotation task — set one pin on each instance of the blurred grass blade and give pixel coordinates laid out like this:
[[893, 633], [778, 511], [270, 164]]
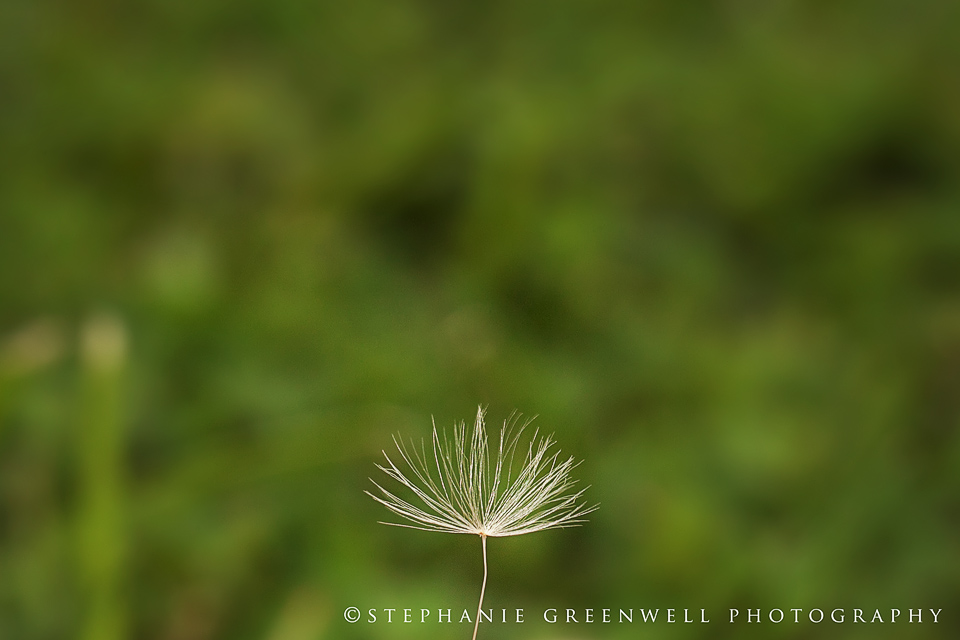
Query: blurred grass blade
[[103, 351]]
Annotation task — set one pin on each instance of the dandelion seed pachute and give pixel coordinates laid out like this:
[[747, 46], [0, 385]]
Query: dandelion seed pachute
[[463, 491]]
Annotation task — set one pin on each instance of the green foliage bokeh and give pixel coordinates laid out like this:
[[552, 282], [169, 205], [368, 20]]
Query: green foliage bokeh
[[714, 246]]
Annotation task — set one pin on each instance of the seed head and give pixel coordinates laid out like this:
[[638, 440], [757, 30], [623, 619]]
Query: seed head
[[462, 488]]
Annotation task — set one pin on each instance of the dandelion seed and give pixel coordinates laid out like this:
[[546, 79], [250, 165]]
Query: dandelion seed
[[462, 488]]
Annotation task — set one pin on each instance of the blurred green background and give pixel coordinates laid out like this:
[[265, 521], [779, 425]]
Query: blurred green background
[[714, 245]]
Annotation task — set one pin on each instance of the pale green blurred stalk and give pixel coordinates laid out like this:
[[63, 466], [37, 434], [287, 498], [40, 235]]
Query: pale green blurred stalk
[[99, 450]]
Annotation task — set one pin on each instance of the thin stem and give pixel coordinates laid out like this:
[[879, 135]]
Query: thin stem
[[483, 588]]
